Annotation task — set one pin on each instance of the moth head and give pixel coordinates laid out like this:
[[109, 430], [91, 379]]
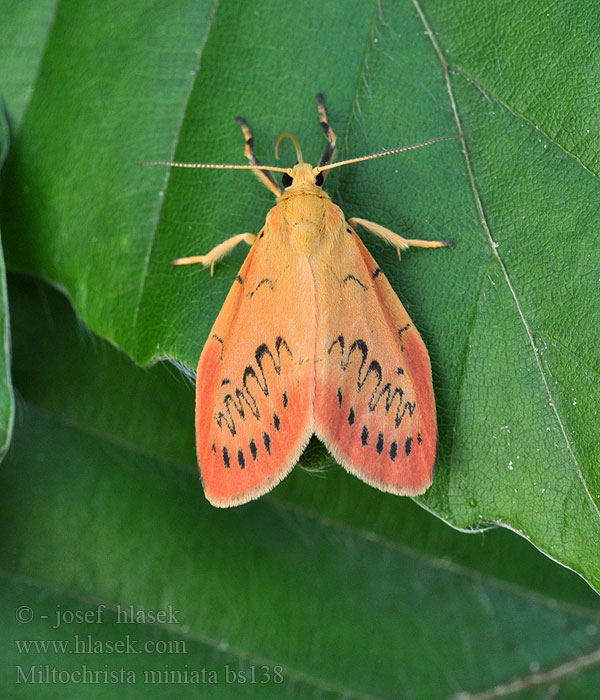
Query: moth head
[[302, 174]]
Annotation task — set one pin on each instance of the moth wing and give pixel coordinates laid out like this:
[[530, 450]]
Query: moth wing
[[255, 379], [374, 402]]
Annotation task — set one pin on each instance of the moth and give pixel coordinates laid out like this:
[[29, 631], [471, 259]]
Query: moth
[[311, 339]]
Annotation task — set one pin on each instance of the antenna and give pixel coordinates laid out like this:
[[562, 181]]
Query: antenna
[[321, 168], [218, 166], [289, 171]]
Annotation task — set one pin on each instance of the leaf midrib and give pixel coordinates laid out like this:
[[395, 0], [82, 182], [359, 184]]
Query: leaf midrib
[[496, 256]]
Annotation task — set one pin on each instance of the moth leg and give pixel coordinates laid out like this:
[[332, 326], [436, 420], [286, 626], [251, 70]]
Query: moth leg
[[327, 156], [394, 239], [265, 176], [218, 252]]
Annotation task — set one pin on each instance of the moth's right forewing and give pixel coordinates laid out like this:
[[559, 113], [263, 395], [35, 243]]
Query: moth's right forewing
[[255, 380]]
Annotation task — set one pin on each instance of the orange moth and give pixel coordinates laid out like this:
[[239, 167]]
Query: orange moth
[[311, 339]]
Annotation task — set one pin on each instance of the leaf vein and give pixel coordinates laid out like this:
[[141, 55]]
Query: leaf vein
[[563, 670], [561, 346], [492, 96]]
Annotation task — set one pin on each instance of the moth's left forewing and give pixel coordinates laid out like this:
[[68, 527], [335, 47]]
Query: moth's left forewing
[[374, 403]]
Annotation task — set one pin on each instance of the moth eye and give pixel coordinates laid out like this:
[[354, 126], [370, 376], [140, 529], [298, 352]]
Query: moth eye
[[319, 180], [286, 180]]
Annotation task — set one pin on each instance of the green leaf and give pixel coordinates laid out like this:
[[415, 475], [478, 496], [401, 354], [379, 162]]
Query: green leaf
[[537, 59], [502, 313], [6, 391], [101, 505], [147, 411], [89, 522]]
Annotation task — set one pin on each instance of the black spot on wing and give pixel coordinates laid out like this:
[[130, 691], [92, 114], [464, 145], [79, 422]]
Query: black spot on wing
[[393, 450], [284, 398], [226, 458], [267, 442], [408, 407], [265, 280], [376, 273], [253, 450], [408, 445], [400, 332], [364, 436], [339, 396], [219, 340], [276, 421], [241, 460], [352, 278], [351, 417], [379, 446]]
